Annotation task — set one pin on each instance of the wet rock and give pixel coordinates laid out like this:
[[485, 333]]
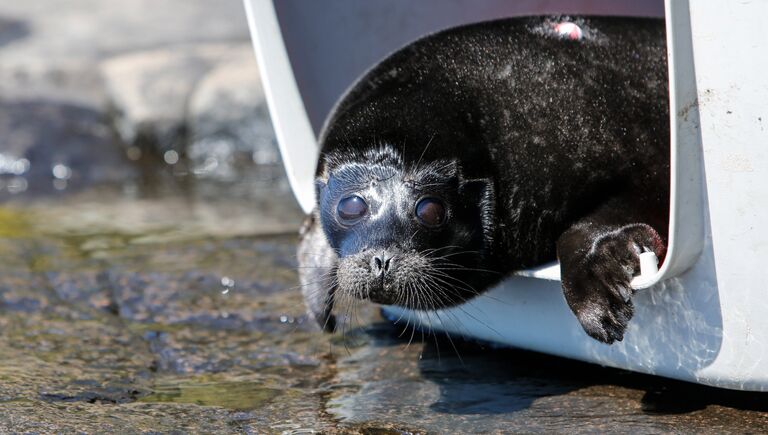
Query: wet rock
[[190, 298], [83, 417], [86, 288], [66, 354], [94, 393], [192, 350], [17, 293], [174, 362], [58, 359]]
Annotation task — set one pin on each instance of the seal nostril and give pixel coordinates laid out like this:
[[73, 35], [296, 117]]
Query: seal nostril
[[382, 263]]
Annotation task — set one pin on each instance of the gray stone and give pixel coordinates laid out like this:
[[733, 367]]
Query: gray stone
[[52, 54], [203, 103], [89, 30], [229, 122], [150, 90], [199, 107], [51, 51], [181, 79]]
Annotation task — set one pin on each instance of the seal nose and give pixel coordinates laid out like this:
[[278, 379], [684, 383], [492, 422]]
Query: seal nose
[[381, 263]]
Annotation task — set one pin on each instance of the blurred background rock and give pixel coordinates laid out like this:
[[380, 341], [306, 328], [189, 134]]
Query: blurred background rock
[[156, 102]]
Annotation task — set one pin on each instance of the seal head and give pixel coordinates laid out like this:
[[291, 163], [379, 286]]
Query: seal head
[[416, 235]]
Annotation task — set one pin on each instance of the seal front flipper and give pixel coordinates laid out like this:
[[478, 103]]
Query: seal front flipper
[[317, 260], [598, 256]]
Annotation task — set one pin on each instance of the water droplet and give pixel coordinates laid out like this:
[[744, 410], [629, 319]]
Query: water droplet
[[171, 157], [228, 284], [61, 171], [287, 319]]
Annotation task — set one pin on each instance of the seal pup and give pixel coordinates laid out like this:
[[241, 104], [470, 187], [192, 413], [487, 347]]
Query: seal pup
[[490, 148]]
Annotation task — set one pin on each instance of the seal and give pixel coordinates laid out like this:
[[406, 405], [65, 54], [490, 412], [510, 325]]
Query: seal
[[490, 148]]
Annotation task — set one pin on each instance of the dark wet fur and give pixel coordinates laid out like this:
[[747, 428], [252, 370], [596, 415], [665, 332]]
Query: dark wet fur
[[545, 148]]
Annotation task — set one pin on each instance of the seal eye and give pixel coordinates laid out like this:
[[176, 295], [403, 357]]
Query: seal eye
[[430, 212], [351, 209]]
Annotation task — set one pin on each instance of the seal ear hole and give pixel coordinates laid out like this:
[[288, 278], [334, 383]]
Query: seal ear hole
[[431, 212]]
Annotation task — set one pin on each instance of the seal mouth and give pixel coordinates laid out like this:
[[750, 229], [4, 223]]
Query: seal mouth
[[380, 291], [379, 300]]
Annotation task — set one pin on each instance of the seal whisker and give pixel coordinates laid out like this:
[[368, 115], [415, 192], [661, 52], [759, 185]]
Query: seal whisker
[[403, 300], [441, 277], [433, 287], [450, 339], [472, 316]]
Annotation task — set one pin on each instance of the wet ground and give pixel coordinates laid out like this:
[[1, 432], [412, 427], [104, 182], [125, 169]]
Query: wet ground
[[148, 271], [169, 312]]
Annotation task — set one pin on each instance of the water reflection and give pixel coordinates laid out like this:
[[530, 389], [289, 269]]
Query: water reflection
[[12, 165], [16, 185], [237, 395], [55, 147]]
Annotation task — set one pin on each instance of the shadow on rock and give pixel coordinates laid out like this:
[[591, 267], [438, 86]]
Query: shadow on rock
[[673, 397], [475, 379]]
